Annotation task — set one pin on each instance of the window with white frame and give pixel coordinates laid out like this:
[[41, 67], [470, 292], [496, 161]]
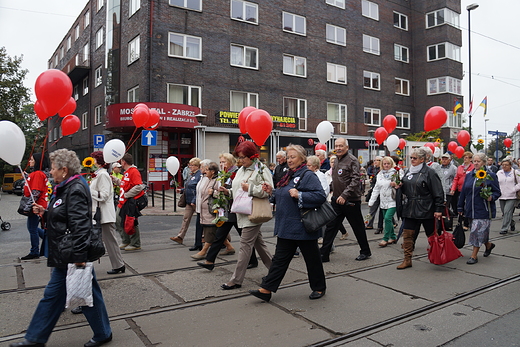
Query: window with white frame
[[337, 3], [239, 100], [133, 94], [189, 4], [296, 108], [293, 23], [370, 9], [445, 84], [403, 119], [295, 66], [86, 53], [244, 56], [372, 116], [76, 32], [100, 4], [184, 94], [98, 76], [336, 35], [97, 115], [336, 73], [400, 21], [371, 44], [86, 19], [85, 86], [402, 86], [69, 43], [442, 16], [454, 120], [134, 50], [56, 60], [401, 53], [62, 52], [75, 92], [133, 6], [371, 80], [99, 37], [443, 50], [337, 113], [84, 121], [244, 11], [185, 46]]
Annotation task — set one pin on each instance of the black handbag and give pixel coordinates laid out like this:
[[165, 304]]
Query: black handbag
[[314, 219], [459, 236], [25, 208], [142, 201]]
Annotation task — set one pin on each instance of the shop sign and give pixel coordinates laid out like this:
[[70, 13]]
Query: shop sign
[[226, 117]]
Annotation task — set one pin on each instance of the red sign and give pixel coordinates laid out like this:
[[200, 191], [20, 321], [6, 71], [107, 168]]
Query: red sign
[[172, 115]]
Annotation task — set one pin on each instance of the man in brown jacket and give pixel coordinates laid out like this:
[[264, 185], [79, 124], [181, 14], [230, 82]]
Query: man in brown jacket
[[346, 200]]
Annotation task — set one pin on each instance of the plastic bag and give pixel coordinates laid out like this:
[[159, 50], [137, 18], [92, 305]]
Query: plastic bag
[[242, 203], [79, 286]]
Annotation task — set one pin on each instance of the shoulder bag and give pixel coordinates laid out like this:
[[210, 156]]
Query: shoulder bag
[[242, 202], [441, 248], [262, 211], [459, 237], [516, 182], [182, 200]]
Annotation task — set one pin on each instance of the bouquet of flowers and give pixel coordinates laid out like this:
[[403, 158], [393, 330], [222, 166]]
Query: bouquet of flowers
[[221, 202], [88, 164], [367, 218], [396, 177]]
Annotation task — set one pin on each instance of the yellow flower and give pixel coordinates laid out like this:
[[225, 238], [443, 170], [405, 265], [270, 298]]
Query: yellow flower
[[481, 174], [480, 141], [88, 162]]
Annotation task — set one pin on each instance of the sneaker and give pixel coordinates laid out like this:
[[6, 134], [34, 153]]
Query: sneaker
[[503, 232], [344, 236], [30, 256], [333, 248], [513, 226], [472, 261], [296, 254], [320, 241], [132, 248], [123, 245]]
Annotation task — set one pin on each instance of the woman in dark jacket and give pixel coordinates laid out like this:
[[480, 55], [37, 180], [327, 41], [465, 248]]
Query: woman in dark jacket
[[422, 192], [289, 228], [70, 210], [477, 209]]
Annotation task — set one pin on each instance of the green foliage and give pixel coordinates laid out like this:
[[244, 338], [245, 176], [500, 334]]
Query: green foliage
[[423, 136]]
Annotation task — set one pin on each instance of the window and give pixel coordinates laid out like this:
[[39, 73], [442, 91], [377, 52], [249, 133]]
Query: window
[[76, 32], [62, 52], [336, 35], [371, 44], [296, 108], [337, 113], [99, 37], [244, 56], [133, 50], [293, 65], [183, 94], [336, 73], [189, 4], [400, 21], [56, 134], [133, 6], [401, 53], [445, 84], [371, 80], [372, 116], [85, 86], [443, 50], [402, 86], [454, 120], [239, 100], [133, 94], [98, 76], [370, 9], [86, 53], [56, 60], [86, 19], [99, 4], [403, 119], [294, 24], [185, 46], [76, 92], [69, 43], [337, 3], [97, 115], [442, 16], [244, 11], [84, 121]]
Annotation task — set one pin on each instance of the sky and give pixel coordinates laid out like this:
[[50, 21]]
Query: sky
[[34, 28]]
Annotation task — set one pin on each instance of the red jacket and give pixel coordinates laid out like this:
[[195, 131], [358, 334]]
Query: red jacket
[[37, 180], [458, 181], [131, 178]]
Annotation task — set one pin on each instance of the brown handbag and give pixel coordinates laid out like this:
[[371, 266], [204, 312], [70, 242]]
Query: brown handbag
[[182, 200], [262, 211]]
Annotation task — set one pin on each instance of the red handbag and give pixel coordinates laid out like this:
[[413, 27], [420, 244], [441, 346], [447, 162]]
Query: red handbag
[[442, 250], [129, 226]]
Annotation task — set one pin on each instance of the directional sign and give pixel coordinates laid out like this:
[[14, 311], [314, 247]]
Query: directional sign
[[99, 141], [149, 138], [497, 133]]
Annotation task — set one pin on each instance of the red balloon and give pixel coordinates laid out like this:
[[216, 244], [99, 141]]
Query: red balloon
[[430, 146], [320, 146], [463, 137], [459, 152], [153, 120], [70, 124], [402, 143], [140, 116], [437, 144], [390, 123], [508, 142], [69, 107], [452, 146], [381, 134], [40, 112], [53, 89], [259, 124], [434, 118], [242, 117], [518, 127]]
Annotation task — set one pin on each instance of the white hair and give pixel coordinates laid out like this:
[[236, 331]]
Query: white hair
[[322, 152], [282, 153], [205, 162]]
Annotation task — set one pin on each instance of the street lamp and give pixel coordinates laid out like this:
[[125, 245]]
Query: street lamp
[[370, 138], [470, 8]]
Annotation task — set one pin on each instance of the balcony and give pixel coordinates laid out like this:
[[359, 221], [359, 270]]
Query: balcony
[[78, 67]]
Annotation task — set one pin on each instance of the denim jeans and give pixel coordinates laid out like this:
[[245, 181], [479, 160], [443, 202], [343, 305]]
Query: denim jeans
[[35, 232], [53, 303]]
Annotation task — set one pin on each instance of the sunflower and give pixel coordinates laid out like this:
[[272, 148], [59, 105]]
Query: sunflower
[[480, 141], [88, 162], [481, 174]]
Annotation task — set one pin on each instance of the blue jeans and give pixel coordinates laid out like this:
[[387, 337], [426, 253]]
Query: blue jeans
[[35, 232], [53, 303]]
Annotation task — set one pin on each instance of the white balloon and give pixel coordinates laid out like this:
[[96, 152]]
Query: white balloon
[[437, 152], [324, 131], [172, 164], [392, 142], [113, 150], [12, 142]]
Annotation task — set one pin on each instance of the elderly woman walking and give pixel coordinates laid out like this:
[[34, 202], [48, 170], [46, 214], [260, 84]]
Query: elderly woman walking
[[509, 181]]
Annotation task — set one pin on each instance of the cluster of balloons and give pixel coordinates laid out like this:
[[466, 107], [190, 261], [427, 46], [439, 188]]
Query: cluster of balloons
[[145, 117], [381, 134], [255, 122], [53, 90]]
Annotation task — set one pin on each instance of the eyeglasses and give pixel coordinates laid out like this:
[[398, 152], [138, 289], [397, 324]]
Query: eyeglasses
[[414, 158], [242, 158]]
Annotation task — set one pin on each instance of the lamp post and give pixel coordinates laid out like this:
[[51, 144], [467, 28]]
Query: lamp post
[[470, 8], [485, 136]]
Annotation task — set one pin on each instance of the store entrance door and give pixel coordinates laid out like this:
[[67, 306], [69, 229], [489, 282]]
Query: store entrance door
[[181, 144]]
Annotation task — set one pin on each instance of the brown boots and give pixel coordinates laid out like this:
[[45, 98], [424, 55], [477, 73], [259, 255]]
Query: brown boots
[[408, 245]]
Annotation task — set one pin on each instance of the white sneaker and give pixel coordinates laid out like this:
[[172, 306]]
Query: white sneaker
[[320, 241], [123, 245]]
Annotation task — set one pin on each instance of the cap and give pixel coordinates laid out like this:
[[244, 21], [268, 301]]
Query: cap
[[116, 165], [446, 155]]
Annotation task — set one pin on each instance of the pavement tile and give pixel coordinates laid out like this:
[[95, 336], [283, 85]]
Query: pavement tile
[[488, 301], [9, 277]]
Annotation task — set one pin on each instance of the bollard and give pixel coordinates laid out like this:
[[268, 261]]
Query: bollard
[[163, 200], [153, 197], [174, 199]]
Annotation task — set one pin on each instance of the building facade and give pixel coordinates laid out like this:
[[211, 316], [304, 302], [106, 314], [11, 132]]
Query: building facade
[[199, 62]]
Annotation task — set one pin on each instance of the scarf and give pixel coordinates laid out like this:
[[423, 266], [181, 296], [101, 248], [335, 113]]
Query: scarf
[[416, 169], [60, 185], [287, 177]]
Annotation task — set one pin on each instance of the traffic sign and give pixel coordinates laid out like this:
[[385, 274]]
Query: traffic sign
[[99, 141], [149, 138], [497, 133]]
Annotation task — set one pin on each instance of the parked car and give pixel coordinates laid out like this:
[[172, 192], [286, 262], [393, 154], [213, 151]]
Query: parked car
[[18, 187], [9, 178]]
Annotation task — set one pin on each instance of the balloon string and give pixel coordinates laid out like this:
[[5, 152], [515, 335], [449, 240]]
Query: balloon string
[[424, 133], [133, 134], [26, 184], [131, 144], [32, 152]]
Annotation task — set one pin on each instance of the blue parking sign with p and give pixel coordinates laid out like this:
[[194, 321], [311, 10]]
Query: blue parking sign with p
[[99, 141]]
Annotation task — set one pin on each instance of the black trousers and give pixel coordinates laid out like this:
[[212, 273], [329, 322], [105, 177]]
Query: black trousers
[[283, 255], [220, 237], [355, 218], [415, 224], [198, 232]]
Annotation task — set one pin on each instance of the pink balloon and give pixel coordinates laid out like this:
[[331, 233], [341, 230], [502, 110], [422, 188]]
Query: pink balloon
[[390, 123], [434, 118], [463, 137], [381, 134]]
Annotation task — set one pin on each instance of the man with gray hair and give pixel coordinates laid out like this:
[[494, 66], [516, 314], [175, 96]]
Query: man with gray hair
[[324, 161], [280, 169]]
